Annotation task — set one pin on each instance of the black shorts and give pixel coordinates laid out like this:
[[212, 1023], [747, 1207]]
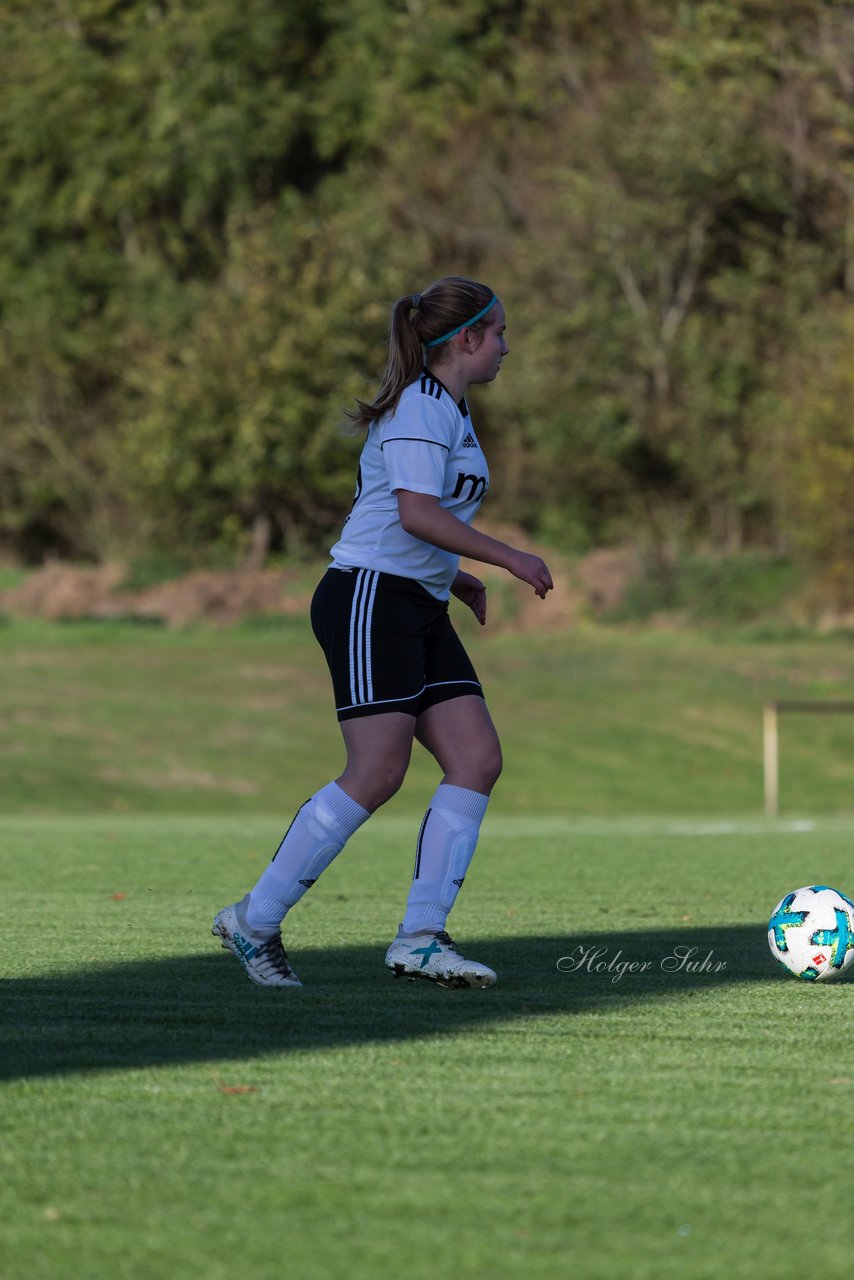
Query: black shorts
[[389, 643]]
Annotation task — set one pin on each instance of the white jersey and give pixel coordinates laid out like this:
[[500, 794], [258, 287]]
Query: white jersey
[[427, 445]]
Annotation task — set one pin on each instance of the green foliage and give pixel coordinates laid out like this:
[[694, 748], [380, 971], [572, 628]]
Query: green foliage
[[206, 210], [705, 590], [817, 443]]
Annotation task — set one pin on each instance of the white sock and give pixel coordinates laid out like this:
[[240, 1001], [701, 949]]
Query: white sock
[[446, 845], [319, 831]]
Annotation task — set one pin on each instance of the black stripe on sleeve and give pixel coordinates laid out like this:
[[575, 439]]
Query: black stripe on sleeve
[[419, 439]]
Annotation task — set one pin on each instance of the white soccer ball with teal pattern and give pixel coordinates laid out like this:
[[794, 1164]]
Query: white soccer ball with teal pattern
[[811, 933]]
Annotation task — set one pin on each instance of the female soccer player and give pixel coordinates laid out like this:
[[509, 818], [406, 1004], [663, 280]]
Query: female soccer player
[[399, 670]]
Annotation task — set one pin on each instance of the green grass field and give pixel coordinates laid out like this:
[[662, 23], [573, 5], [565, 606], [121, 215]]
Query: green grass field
[[161, 1117]]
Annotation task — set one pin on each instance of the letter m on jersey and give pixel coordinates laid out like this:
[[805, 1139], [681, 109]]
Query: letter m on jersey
[[477, 486]]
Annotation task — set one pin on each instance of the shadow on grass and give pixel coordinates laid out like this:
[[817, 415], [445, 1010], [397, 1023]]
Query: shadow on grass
[[200, 1008]]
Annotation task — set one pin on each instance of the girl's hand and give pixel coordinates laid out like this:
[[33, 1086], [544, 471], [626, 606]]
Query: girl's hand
[[472, 592], [533, 570]]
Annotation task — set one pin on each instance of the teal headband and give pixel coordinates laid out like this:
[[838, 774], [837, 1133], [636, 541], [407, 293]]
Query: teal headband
[[438, 341]]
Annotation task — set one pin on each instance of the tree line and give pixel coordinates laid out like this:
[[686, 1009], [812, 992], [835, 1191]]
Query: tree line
[[207, 208]]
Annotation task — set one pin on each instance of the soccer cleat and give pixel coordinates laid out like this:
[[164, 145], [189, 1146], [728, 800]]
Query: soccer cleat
[[264, 959], [434, 957]]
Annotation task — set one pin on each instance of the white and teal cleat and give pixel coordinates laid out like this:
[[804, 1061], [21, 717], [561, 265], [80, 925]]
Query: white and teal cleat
[[433, 957], [264, 959]]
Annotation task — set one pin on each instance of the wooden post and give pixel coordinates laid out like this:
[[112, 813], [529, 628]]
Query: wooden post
[[770, 755]]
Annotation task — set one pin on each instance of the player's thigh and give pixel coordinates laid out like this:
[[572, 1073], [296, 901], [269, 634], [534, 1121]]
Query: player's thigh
[[461, 736], [379, 748]]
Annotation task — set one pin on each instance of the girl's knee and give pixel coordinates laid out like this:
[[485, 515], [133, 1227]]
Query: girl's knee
[[490, 765], [479, 768], [373, 788], [495, 763], [387, 783]]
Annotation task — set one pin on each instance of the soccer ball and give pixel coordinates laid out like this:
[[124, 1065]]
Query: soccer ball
[[811, 933]]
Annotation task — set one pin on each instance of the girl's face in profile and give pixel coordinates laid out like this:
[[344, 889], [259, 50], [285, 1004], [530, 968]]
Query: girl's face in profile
[[485, 359]]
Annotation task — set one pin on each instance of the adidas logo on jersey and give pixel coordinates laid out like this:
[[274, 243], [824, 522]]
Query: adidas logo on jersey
[[469, 442]]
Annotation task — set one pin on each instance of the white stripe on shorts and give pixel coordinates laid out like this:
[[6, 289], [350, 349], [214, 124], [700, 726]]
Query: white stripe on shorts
[[361, 612], [368, 625]]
